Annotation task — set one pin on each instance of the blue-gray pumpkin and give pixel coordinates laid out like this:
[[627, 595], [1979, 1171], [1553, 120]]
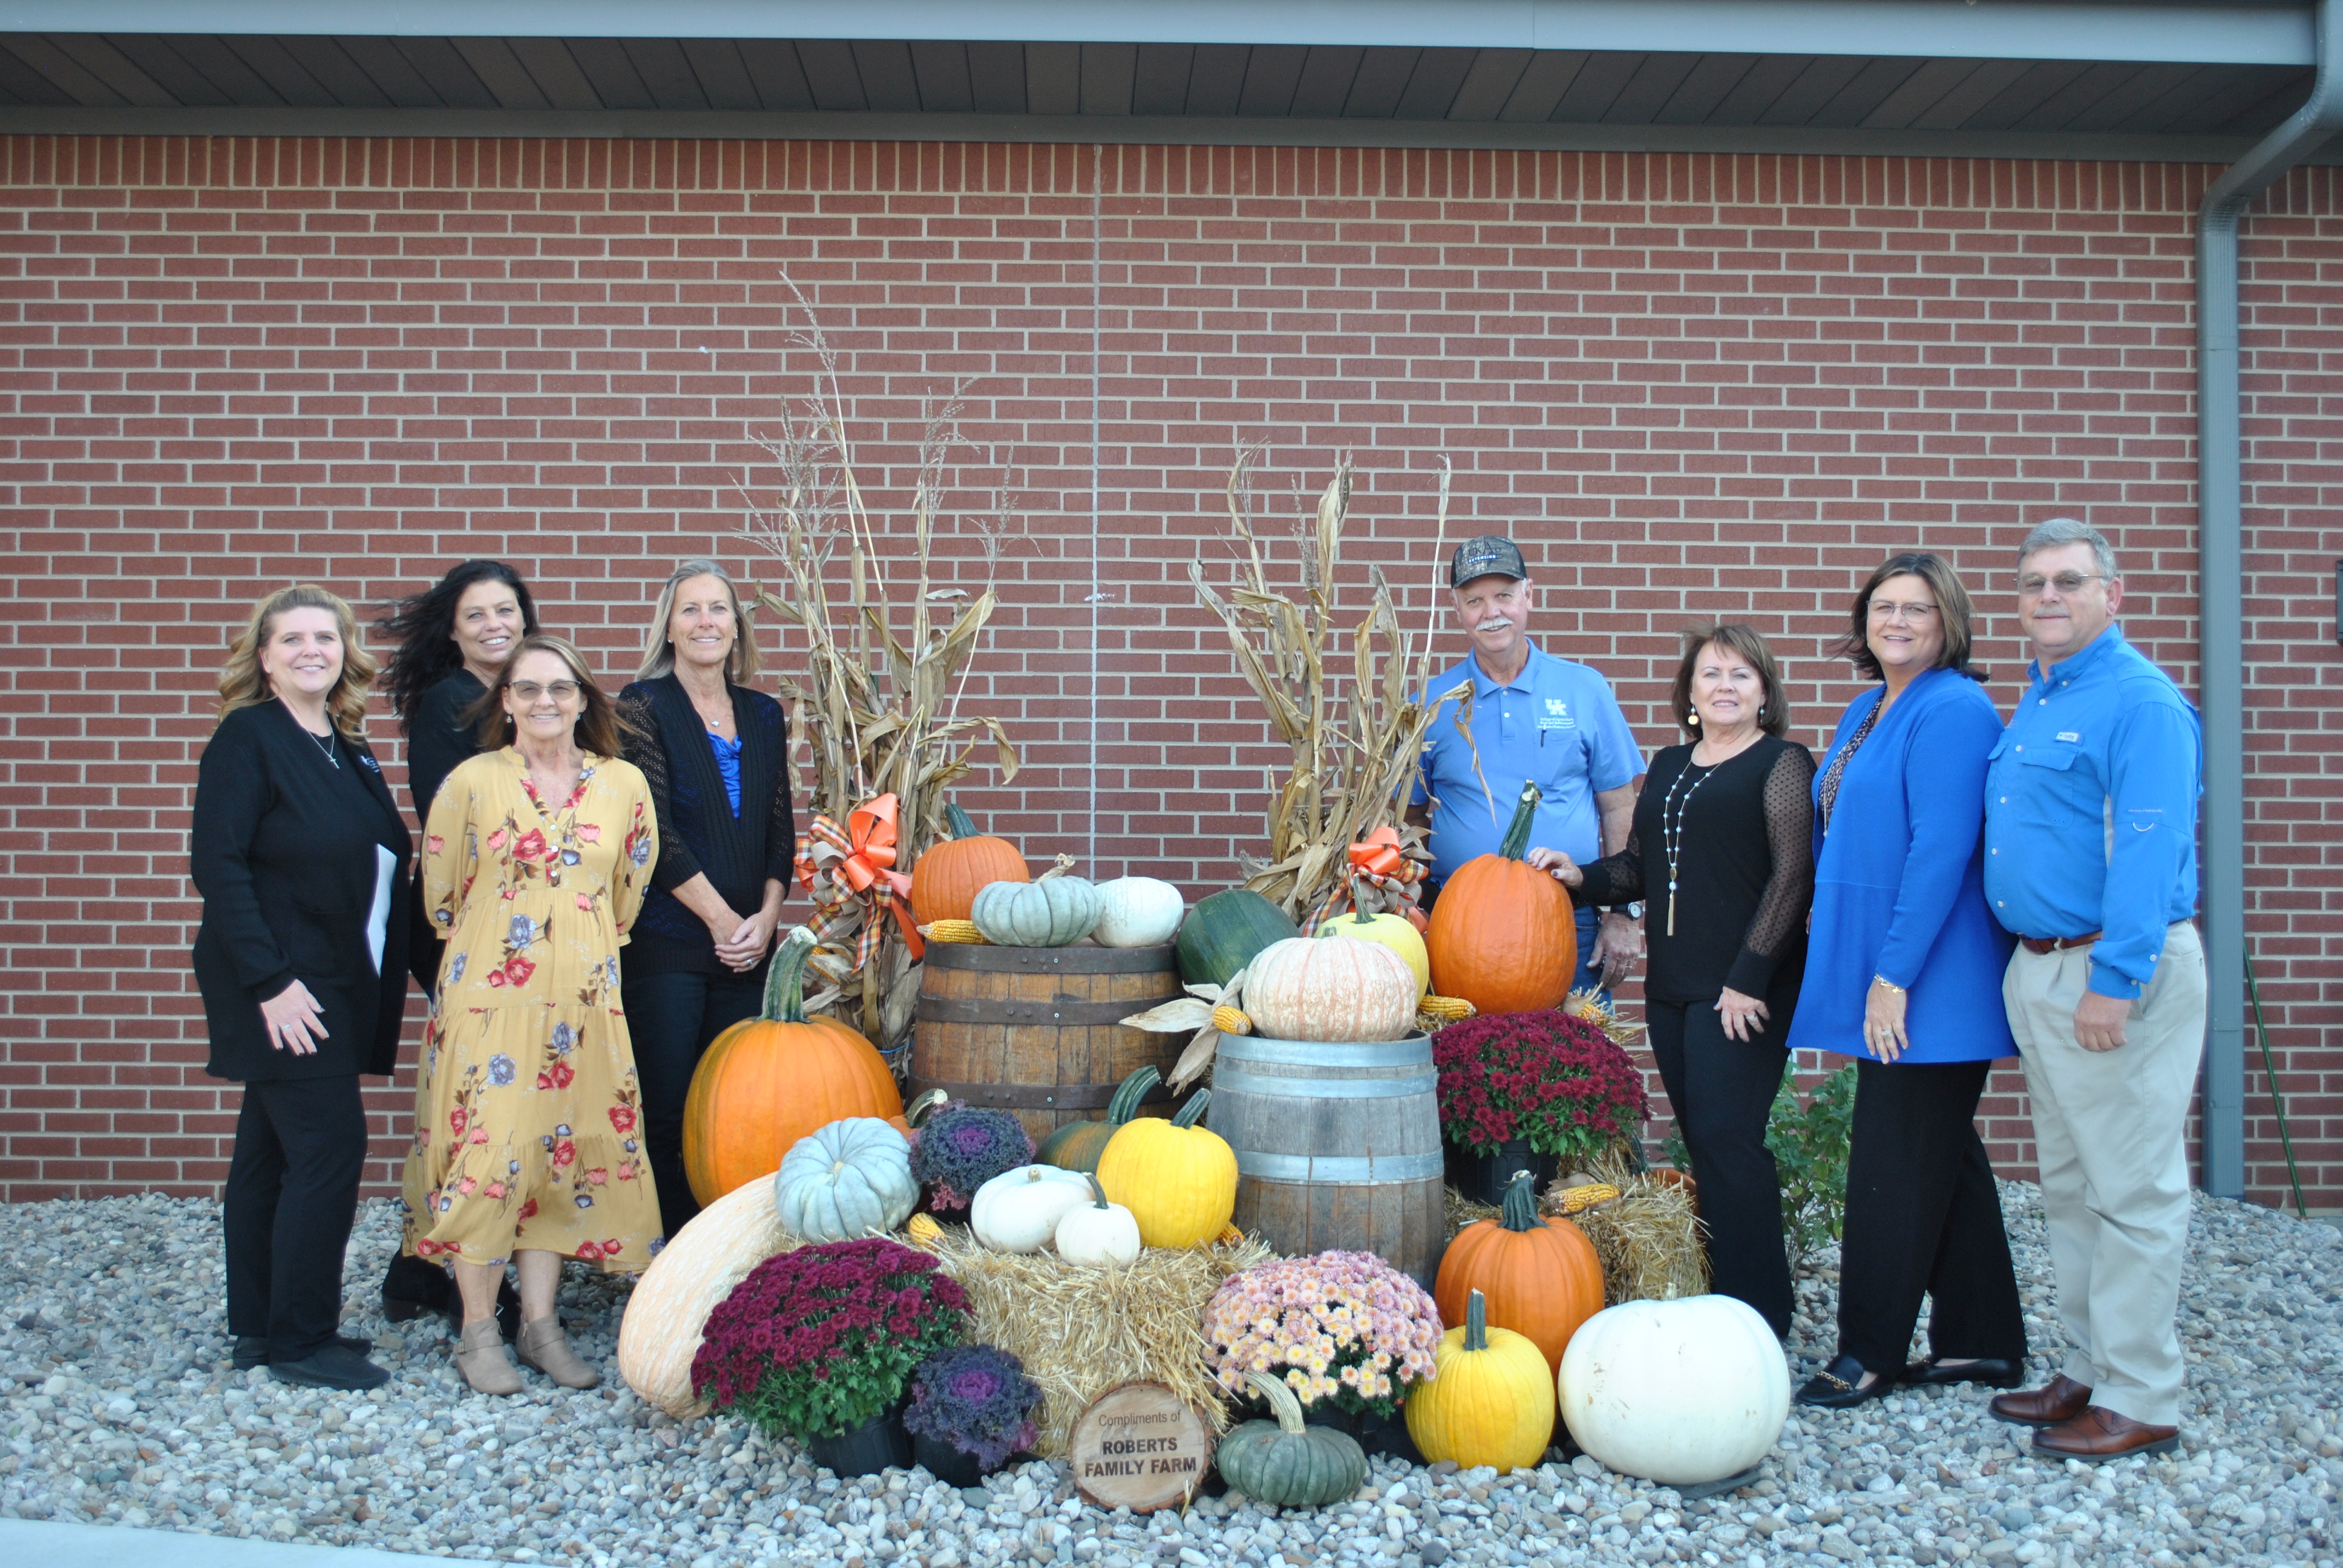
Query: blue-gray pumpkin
[[846, 1180], [1049, 913]]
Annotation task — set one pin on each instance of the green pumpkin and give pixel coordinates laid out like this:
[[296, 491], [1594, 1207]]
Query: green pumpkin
[[1224, 932], [1049, 913], [1287, 1464], [846, 1180], [1077, 1145]]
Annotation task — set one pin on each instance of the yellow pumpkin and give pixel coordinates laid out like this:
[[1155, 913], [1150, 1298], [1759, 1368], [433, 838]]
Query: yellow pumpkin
[[1393, 931], [1490, 1399], [1178, 1180]]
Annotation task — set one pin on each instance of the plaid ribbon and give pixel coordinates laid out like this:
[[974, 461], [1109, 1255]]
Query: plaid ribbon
[[1376, 862], [850, 874]]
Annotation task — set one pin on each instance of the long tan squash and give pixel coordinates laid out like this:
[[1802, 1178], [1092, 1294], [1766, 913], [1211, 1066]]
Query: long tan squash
[[689, 1279]]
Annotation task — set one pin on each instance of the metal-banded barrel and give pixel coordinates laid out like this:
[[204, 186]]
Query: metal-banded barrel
[[1040, 1030], [1337, 1145]]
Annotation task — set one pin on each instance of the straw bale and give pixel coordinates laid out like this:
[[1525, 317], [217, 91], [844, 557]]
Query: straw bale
[[1080, 1330], [1648, 1238]]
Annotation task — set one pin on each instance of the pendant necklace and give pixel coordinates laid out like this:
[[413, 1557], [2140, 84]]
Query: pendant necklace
[[326, 744], [1672, 816]]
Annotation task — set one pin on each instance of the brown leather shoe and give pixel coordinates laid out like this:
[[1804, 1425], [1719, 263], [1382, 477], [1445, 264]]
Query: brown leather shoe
[[2061, 1399], [2099, 1434]]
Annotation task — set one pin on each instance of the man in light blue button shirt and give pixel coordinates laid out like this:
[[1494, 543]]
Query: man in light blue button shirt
[[2090, 830], [1534, 716]]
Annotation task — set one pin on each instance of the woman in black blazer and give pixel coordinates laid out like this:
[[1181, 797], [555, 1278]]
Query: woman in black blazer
[[453, 641], [715, 754], [299, 853]]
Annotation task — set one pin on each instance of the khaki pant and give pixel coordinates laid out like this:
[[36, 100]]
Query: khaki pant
[[2107, 1130]]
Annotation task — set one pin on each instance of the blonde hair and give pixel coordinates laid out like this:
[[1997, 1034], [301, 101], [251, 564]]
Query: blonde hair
[[244, 684], [658, 653]]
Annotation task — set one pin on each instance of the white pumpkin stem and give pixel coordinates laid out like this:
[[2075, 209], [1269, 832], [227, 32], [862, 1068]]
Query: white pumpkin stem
[[1282, 1403]]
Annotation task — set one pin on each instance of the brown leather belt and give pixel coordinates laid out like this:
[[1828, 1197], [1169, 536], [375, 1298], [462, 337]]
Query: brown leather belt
[[2055, 944]]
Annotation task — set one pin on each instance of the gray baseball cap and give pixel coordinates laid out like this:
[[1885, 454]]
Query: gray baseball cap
[[1491, 555]]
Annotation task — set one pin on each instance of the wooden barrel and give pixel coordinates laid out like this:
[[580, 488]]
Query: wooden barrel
[[1038, 1030], [1338, 1146]]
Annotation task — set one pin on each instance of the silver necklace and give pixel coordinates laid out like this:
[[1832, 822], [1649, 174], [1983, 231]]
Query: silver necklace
[[326, 744], [1672, 816]]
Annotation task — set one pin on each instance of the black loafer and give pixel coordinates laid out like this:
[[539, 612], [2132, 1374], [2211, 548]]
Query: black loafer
[[1838, 1386], [331, 1365], [1987, 1371], [252, 1349]]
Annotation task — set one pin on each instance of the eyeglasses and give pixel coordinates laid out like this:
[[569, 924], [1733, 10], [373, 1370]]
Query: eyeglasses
[[530, 690], [1909, 614], [2032, 583]]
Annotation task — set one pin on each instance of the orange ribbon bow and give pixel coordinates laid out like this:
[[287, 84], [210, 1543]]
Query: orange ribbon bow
[[1378, 859], [862, 860]]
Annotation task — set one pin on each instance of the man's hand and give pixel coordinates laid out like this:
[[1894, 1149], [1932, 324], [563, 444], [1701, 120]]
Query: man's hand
[[1618, 947], [2100, 1021]]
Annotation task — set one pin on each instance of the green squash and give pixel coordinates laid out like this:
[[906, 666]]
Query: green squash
[[1287, 1464], [1223, 933], [1077, 1145]]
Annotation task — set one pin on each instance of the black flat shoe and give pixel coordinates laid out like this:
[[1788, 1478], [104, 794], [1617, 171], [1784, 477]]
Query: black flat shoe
[[1987, 1371], [1838, 1386], [331, 1365], [252, 1349]]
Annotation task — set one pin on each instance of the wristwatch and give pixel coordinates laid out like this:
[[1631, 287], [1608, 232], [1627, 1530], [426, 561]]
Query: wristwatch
[[1634, 911]]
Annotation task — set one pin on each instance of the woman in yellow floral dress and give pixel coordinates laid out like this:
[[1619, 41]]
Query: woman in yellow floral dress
[[527, 1138]]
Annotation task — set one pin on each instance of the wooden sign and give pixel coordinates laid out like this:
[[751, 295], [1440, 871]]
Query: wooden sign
[[1139, 1446]]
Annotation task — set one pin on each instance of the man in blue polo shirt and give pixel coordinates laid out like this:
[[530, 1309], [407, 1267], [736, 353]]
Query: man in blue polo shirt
[[1534, 716], [2090, 834]]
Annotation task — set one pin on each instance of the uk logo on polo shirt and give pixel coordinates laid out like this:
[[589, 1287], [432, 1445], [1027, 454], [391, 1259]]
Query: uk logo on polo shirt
[[1557, 716]]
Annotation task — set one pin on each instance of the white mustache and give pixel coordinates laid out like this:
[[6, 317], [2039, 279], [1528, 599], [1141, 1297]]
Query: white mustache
[[1495, 623]]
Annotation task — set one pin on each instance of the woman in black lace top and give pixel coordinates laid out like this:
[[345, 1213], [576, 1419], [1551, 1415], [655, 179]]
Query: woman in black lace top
[[1722, 853]]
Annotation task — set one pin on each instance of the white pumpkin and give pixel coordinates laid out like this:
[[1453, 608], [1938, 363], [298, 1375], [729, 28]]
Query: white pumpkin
[[1138, 912], [1017, 1211], [846, 1180], [1098, 1233], [699, 1267], [1336, 989], [1679, 1392]]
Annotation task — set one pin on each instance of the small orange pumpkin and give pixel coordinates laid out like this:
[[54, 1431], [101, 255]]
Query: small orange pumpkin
[[945, 880], [1542, 1277], [771, 1080], [1503, 936]]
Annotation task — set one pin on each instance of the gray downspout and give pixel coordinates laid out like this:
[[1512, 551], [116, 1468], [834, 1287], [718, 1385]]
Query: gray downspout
[[2221, 576]]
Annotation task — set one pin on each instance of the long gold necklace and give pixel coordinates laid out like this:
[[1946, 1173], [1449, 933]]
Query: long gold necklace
[[1672, 816]]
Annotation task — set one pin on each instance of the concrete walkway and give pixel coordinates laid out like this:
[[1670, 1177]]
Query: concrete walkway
[[39, 1544]]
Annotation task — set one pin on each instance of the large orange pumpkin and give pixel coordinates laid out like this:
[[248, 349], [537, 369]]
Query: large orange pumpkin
[[1542, 1277], [945, 881], [771, 1080], [1503, 936]]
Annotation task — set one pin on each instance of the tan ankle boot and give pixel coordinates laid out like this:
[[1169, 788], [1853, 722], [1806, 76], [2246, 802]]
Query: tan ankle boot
[[481, 1357], [546, 1347]]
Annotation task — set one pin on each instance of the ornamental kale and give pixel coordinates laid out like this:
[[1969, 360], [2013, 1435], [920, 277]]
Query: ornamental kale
[[962, 1147], [1556, 1082], [977, 1399], [816, 1342]]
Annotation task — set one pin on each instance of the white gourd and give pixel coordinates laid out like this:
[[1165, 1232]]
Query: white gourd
[[1098, 1233], [1049, 913], [1679, 1392], [1138, 912], [698, 1268], [1017, 1211], [846, 1180], [1332, 988]]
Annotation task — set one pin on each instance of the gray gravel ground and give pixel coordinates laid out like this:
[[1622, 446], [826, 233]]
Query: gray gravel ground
[[120, 1407]]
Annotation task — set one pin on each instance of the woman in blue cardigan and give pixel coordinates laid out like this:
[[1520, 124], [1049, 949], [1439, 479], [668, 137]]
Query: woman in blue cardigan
[[1904, 965]]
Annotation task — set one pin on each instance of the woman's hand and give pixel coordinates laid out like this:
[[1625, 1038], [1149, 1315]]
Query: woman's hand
[[1745, 1016], [1883, 1021], [745, 949], [1561, 867], [295, 1022]]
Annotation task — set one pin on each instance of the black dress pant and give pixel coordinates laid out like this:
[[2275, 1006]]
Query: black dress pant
[[672, 1016], [1922, 1214], [292, 1196], [1721, 1091]]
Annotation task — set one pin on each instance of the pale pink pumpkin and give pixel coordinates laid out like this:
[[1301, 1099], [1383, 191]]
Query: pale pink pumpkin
[[1334, 989], [664, 1319]]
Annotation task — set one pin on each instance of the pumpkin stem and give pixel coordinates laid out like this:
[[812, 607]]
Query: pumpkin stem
[[1521, 1202], [1477, 1323], [922, 1103], [1125, 1103], [957, 822], [1193, 1111], [1097, 1191], [1282, 1403], [1359, 915], [1517, 834], [785, 983]]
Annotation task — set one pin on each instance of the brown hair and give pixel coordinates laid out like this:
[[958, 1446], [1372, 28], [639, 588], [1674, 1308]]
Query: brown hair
[[599, 723], [1952, 604], [244, 684], [1773, 714]]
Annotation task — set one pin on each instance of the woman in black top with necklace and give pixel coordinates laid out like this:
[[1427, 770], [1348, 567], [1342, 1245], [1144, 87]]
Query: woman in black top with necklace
[[1723, 853], [299, 854], [716, 754]]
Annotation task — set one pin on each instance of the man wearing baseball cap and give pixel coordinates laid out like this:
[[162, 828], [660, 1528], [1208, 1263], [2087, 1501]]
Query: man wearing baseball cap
[[1533, 717]]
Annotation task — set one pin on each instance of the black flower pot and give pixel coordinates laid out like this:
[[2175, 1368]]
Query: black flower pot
[[1375, 1433], [866, 1450], [945, 1463], [1483, 1177]]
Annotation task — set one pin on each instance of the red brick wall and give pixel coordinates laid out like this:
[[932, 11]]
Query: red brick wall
[[1692, 385]]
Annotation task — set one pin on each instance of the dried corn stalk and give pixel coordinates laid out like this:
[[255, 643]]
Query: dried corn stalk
[[879, 706]]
